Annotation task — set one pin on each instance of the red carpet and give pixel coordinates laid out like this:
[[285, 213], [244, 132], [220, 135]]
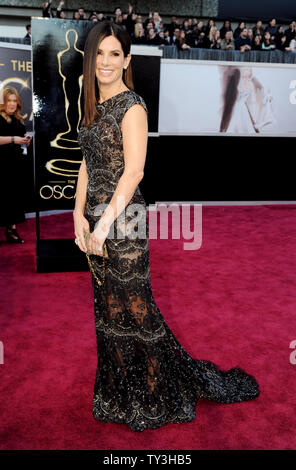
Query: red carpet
[[231, 302]]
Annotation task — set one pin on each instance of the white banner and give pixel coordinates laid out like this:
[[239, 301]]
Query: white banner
[[227, 98]]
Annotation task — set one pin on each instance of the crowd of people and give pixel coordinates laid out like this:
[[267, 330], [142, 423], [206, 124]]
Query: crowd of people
[[189, 32]]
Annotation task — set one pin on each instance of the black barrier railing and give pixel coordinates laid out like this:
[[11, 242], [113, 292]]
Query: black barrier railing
[[275, 56], [172, 52]]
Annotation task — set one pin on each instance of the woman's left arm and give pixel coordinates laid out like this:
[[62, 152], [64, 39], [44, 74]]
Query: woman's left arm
[[134, 129], [256, 83]]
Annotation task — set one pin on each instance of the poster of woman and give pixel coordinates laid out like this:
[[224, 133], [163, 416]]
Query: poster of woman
[[247, 104], [222, 98]]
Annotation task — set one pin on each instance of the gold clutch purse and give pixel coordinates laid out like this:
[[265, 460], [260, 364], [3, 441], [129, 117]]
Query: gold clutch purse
[[105, 255]]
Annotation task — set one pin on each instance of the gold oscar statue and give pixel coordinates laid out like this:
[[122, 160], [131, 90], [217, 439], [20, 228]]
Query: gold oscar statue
[[72, 88]]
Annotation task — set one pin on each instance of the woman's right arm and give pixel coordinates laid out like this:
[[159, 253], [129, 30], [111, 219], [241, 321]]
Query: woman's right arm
[[80, 222], [81, 189], [4, 140]]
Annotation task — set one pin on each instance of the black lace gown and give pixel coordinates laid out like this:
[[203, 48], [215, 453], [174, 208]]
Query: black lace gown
[[144, 377]]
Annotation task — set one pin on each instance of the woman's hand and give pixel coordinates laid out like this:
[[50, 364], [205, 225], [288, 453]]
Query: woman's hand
[[98, 237], [81, 225], [29, 138], [20, 140]]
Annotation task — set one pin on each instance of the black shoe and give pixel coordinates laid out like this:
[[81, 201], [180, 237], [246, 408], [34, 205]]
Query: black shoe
[[11, 233]]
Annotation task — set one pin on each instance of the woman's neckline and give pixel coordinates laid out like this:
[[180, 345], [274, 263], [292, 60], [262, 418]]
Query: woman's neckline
[[114, 96]]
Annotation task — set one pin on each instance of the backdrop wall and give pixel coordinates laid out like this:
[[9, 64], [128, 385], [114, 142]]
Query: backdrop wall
[[252, 9]]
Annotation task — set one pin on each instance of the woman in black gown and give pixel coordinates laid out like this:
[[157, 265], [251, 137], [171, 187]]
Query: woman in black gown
[[144, 377], [12, 132]]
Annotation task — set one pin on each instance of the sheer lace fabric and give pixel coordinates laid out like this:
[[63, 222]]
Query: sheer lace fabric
[[144, 377]]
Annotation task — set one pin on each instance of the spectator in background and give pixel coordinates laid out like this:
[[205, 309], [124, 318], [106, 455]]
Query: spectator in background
[[214, 37], [256, 43], [118, 12], [213, 33], [292, 46], [210, 24], [149, 26], [290, 32], [271, 28], [250, 34], [121, 20], [281, 42], [47, 10], [91, 15], [200, 28], [225, 28], [101, 16], [128, 20], [76, 15], [28, 37], [203, 41], [181, 41], [192, 37], [139, 37], [161, 38], [82, 13], [93, 18], [139, 19], [239, 29], [216, 41], [172, 25], [228, 43], [258, 29], [243, 42], [160, 27], [156, 20], [267, 43], [191, 23], [153, 38], [152, 21], [60, 13], [185, 26], [279, 35], [175, 36], [167, 37]]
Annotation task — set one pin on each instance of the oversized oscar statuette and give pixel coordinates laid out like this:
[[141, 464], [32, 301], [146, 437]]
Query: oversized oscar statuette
[[72, 87]]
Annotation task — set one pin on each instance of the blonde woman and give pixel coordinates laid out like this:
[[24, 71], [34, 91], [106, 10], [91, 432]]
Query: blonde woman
[[138, 30], [214, 33]]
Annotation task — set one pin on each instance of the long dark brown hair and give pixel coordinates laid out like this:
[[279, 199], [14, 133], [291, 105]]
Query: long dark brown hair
[[7, 91], [229, 98], [90, 86]]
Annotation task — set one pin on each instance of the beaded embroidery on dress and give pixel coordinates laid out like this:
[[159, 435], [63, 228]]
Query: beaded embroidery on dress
[[144, 377]]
